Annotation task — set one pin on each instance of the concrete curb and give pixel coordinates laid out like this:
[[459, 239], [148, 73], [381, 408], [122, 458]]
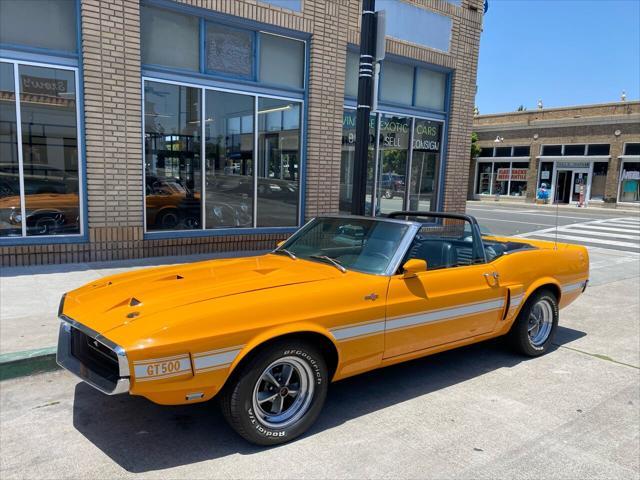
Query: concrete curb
[[29, 362]]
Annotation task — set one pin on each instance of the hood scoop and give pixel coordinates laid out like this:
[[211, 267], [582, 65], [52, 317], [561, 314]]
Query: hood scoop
[[265, 271], [134, 302], [170, 277]]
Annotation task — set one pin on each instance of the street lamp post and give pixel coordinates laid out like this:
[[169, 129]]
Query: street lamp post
[[365, 79]]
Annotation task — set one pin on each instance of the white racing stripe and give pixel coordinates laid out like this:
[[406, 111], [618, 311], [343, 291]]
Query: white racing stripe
[[366, 329], [215, 359]]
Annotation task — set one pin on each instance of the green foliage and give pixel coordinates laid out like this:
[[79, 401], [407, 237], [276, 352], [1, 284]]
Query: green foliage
[[475, 149]]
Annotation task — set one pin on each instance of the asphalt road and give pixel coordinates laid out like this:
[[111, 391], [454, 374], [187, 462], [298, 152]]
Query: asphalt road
[[601, 228]]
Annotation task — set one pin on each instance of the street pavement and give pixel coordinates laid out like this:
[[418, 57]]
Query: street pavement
[[476, 412]]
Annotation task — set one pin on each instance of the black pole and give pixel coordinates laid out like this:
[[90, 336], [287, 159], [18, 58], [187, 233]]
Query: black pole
[[365, 79]]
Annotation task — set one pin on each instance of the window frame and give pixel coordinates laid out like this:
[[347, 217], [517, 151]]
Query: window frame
[[82, 236], [203, 231], [231, 22]]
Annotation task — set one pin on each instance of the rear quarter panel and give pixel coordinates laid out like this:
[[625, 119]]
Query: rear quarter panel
[[565, 268]]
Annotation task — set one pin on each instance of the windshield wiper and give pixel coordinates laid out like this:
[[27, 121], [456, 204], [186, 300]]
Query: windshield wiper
[[333, 261], [284, 250]]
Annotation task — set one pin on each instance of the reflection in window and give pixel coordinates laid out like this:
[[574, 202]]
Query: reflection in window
[[10, 211], [278, 162], [229, 159], [394, 149], [49, 150], [172, 156], [424, 165], [483, 182], [348, 158]]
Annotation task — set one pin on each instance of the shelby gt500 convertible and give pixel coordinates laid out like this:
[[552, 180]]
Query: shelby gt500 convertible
[[342, 296]]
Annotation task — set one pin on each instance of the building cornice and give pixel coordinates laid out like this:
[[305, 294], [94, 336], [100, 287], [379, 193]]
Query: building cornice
[[560, 122]]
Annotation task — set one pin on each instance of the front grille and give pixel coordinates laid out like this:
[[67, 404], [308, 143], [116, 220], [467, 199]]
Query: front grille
[[94, 355]]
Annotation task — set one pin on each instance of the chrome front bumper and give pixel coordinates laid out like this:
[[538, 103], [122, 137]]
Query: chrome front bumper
[[66, 359]]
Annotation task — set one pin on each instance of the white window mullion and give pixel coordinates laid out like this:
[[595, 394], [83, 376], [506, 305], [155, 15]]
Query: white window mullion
[[23, 209], [203, 181], [255, 162]]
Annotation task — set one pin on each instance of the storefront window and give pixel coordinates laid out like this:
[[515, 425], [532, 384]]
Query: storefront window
[[229, 119], [630, 181], [49, 24], [501, 173], [348, 158], [281, 61], [546, 172], [179, 48], [598, 180], [10, 207], [49, 151], [278, 162], [483, 184], [394, 150], [229, 50], [173, 174], [518, 183], [424, 165], [430, 89]]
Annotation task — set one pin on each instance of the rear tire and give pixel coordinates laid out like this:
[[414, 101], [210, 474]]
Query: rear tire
[[535, 327], [277, 394]]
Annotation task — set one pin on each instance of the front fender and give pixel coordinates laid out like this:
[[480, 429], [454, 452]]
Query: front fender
[[280, 331]]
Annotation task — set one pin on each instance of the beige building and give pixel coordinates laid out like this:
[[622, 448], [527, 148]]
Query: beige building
[[140, 128], [589, 149]]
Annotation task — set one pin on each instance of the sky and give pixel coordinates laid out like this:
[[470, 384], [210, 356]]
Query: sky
[[565, 52]]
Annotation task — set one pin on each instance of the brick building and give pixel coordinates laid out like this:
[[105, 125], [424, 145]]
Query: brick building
[[593, 146], [140, 128]]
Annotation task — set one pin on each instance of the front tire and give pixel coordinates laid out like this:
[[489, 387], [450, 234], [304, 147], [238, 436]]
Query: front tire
[[533, 331], [277, 394]]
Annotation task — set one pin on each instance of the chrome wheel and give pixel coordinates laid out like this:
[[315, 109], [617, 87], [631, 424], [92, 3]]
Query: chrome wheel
[[540, 322], [283, 392]]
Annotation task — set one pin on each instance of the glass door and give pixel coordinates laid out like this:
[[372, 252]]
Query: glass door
[[579, 183], [393, 143]]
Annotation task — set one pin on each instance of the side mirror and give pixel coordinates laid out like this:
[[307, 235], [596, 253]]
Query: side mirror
[[413, 267], [280, 243]]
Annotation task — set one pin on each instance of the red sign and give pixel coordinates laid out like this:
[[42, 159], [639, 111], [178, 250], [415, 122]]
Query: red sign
[[517, 174]]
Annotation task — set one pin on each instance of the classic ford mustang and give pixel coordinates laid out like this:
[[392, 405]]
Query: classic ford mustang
[[342, 296]]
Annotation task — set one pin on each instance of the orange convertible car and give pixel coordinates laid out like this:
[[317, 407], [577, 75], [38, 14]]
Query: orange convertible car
[[342, 296]]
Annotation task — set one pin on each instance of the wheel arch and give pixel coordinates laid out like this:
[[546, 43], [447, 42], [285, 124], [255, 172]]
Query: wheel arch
[[544, 283], [311, 333]]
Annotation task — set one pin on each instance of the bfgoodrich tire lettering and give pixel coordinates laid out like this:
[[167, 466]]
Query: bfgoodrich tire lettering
[[534, 329], [277, 394]]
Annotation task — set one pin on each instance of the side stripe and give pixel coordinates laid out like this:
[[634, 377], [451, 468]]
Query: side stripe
[[516, 300], [214, 359], [348, 332], [444, 314]]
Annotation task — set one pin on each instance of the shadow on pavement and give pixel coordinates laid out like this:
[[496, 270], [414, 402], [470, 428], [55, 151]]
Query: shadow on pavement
[[141, 436]]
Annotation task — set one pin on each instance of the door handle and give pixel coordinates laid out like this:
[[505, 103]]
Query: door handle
[[495, 276]]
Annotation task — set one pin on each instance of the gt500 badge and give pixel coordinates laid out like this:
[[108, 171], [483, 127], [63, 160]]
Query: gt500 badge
[[159, 368]]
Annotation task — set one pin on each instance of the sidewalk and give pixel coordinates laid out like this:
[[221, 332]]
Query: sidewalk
[[29, 298], [594, 206]]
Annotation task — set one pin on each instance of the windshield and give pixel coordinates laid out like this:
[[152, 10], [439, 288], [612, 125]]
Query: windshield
[[356, 244]]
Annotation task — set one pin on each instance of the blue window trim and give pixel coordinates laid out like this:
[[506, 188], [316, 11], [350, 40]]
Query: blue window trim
[[201, 80], [54, 57], [219, 232], [226, 19]]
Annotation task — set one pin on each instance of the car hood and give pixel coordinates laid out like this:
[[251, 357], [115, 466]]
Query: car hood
[[121, 299]]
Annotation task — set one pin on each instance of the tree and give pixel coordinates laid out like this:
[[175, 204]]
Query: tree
[[522, 108], [475, 149]]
